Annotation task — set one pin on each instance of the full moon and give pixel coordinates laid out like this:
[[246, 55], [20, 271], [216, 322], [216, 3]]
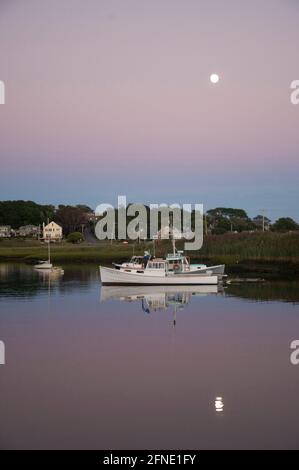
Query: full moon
[[214, 78]]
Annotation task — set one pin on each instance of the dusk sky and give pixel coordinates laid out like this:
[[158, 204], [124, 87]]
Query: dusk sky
[[108, 97]]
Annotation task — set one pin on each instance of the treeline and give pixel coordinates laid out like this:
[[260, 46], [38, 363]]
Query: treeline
[[20, 213], [216, 221], [222, 220]]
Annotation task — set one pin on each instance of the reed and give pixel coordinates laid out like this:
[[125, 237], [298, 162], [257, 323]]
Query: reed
[[229, 248]]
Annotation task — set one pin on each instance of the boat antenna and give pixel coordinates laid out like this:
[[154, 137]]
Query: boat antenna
[[173, 243], [49, 254]]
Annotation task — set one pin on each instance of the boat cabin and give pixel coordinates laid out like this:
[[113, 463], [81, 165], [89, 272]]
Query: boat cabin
[[174, 263], [157, 263], [177, 262]]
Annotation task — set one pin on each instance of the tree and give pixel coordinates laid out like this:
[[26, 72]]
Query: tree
[[221, 226], [261, 220], [285, 224], [18, 213], [226, 219], [72, 219], [228, 212], [84, 207]]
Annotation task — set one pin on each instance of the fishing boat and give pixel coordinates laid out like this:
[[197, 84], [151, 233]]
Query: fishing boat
[[174, 260], [157, 272]]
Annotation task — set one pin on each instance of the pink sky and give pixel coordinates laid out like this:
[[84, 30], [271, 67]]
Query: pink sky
[[102, 94]]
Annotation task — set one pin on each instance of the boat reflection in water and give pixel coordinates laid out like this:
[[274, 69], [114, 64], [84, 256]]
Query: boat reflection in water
[[53, 274], [156, 298], [219, 405], [50, 277]]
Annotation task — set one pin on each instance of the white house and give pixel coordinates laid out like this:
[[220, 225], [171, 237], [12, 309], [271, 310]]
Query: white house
[[28, 231], [52, 232], [5, 231], [167, 232]]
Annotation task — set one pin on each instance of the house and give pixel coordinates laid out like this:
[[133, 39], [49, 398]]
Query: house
[[5, 231], [52, 232], [28, 231], [167, 232], [91, 217]]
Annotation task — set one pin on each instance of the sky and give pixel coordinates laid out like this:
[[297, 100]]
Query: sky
[[113, 97]]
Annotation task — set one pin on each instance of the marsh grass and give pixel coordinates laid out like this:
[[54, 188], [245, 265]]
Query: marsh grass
[[232, 249]]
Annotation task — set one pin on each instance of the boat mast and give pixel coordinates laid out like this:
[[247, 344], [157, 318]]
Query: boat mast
[[49, 254], [172, 233]]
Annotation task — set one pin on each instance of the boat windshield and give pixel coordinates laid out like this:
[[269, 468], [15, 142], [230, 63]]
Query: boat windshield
[[136, 259]]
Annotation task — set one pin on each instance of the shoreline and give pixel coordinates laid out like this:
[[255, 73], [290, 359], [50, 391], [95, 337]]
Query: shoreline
[[280, 267]]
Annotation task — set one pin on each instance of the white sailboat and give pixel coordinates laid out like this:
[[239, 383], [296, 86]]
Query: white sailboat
[[45, 264]]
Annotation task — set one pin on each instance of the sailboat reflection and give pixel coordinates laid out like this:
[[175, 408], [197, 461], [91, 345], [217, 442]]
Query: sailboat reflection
[[50, 274], [219, 405], [50, 277], [155, 298]]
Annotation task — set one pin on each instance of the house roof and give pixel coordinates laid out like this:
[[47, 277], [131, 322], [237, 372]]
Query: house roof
[[51, 225]]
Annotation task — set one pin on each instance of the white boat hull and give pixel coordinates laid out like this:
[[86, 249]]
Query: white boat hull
[[111, 276], [219, 269], [44, 266]]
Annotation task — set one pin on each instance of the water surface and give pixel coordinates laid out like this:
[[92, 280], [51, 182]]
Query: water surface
[[142, 367]]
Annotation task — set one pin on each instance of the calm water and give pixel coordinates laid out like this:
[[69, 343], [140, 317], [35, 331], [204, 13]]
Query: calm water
[[142, 367]]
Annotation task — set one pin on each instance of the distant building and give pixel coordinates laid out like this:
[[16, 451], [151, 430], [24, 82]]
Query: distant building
[[5, 231], [52, 232], [28, 231], [167, 232], [91, 217]]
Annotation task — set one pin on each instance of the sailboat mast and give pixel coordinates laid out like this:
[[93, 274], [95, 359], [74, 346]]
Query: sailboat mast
[[49, 254]]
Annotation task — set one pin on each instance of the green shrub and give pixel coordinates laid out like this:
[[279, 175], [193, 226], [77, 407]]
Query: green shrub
[[75, 237]]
